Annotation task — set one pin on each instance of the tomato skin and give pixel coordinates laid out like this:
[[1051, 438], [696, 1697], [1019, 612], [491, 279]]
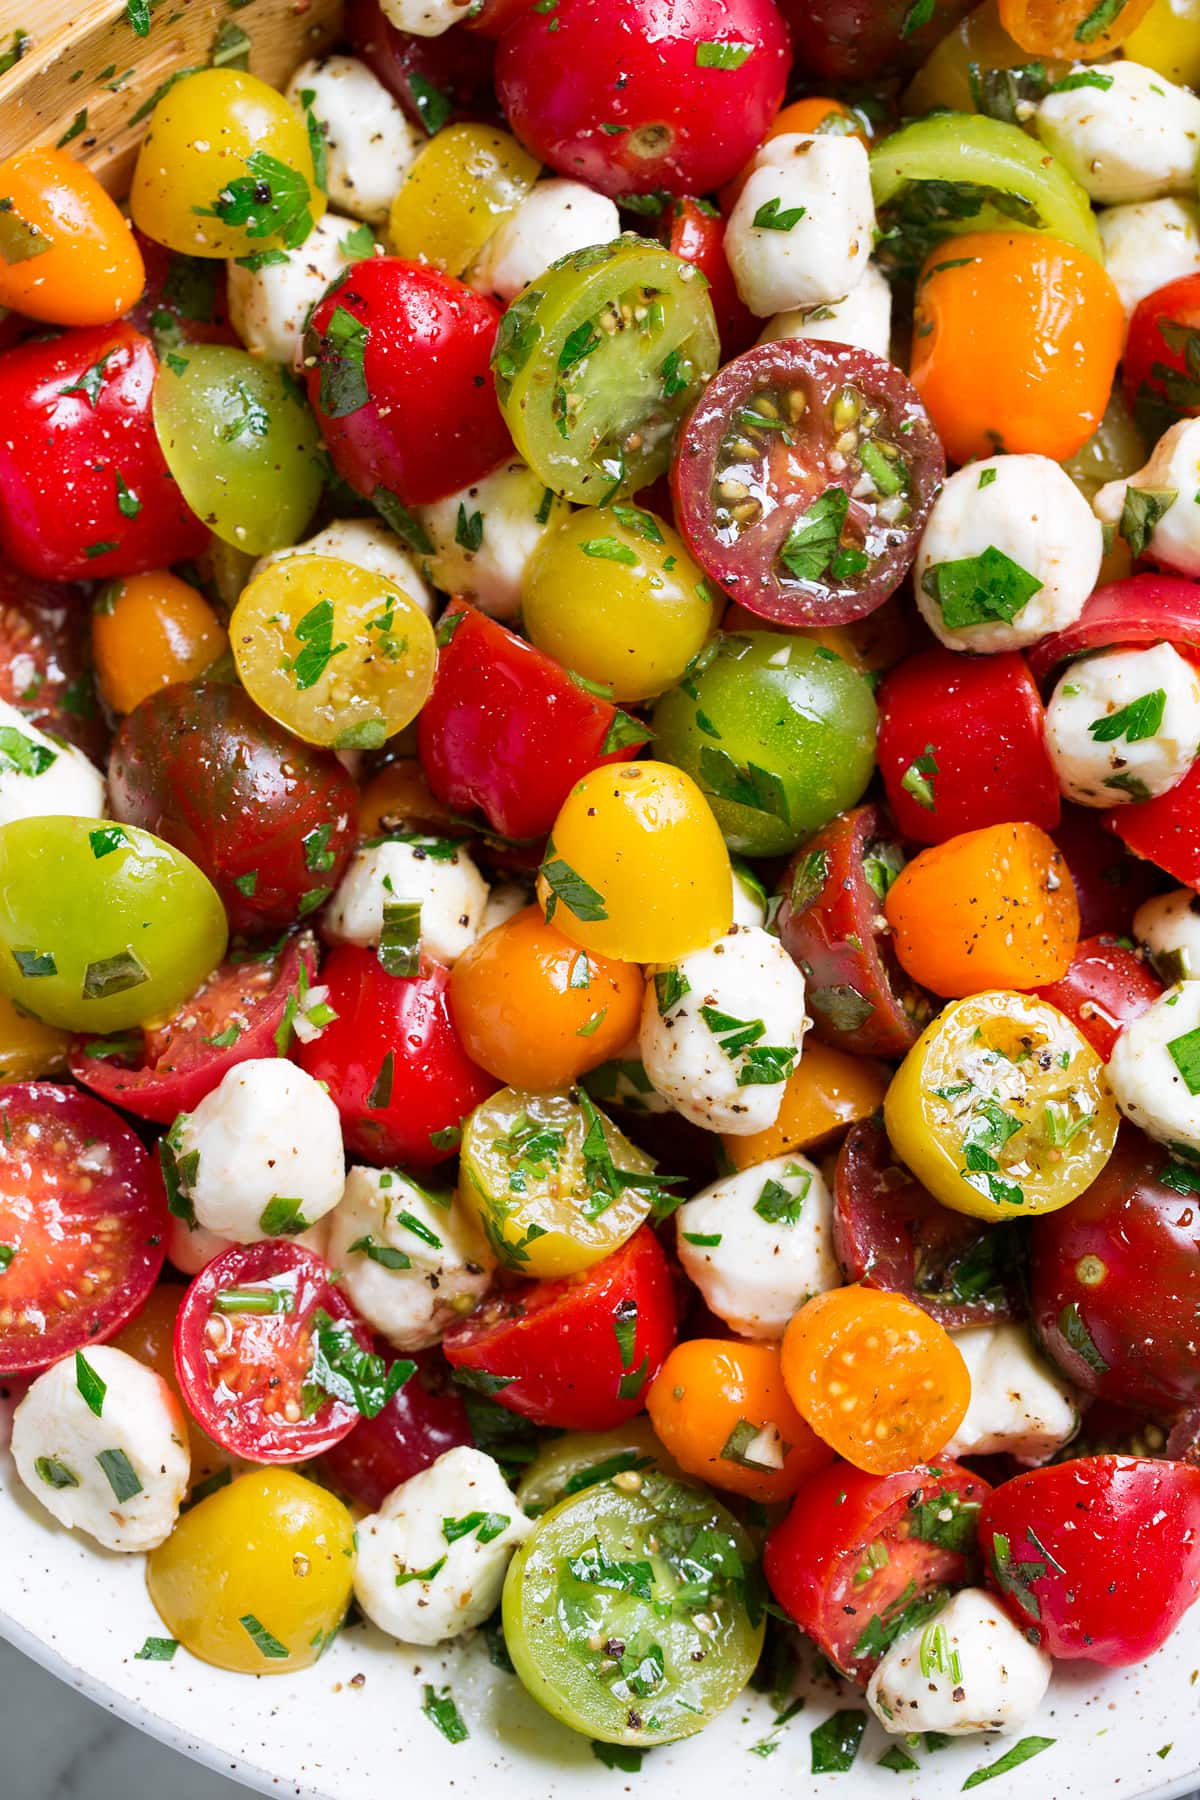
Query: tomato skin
[[1141, 609], [1152, 369], [201, 766], [986, 725], [431, 424], [394, 1036], [61, 455], [698, 237], [45, 668], [1118, 1541], [458, 64], [858, 40], [555, 1340], [1110, 884], [419, 1424], [1105, 987], [89, 270], [1165, 830]]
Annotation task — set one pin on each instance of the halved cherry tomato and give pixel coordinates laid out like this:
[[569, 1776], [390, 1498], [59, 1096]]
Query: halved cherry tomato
[[1141, 609], [579, 1352], [876, 1377], [1110, 884], [419, 1423], [66, 253], [802, 479], [426, 74], [82, 1221], [1165, 830], [150, 631], [1080, 29], [150, 1337], [694, 231], [827, 1091], [858, 1555], [1161, 366], [1106, 986], [45, 671]]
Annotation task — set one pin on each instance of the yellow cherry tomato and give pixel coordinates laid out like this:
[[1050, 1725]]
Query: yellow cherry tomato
[[335, 652], [257, 1578], [149, 631], [636, 867], [1002, 1108], [1168, 39], [29, 1049], [225, 169], [613, 596], [826, 1092], [66, 253], [466, 181]]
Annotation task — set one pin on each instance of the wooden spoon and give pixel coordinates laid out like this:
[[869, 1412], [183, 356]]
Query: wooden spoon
[[85, 78]]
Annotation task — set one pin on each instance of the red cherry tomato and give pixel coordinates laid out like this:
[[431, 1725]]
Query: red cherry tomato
[[555, 1347], [981, 722], [238, 1014], [1161, 365], [1165, 830], [78, 440], [695, 231], [83, 1219], [45, 661], [815, 550], [857, 1552], [1142, 609], [688, 116], [393, 1062], [271, 821], [429, 423], [1110, 885], [831, 924], [505, 729], [1106, 986], [419, 1424], [859, 40], [427, 75], [1098, 1557], [185, 300]]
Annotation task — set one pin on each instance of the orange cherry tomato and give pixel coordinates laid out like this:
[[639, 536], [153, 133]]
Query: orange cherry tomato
[[994, 908], [879, 1380], [827, 1091], [721, 1409], [398, 798], [148, 632], [535, 1010], [149, 1337], [66, 253], [1079, 28], [1015, 343]]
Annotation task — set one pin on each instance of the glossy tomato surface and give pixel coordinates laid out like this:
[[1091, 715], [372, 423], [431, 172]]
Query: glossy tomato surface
[[1142, 609], [419, 1423], [1161, 366], [45, 668], [1165, 830], [1106, 986]]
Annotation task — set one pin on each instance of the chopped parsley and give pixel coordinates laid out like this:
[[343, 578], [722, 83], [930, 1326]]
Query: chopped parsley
[[1141, 719], [813, 546], [772, 215], [1143, 509], [91, 1388], [722, 56], [978, 590]]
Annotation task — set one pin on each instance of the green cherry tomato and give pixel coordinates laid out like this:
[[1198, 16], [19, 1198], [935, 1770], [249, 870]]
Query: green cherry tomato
[[241, 444], [656, 1567], [102, 926], [580, 1459], [778, 731], [597, 362]]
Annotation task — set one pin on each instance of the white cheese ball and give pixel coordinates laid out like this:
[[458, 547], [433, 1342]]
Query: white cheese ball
[[266, 1135], [448, 887], [41, 776], [190, 1248], [386, 1220], [1169, 926], [825, 252], [1129, 134], [555, 218], [969, 1669], [758, 1244], [425, 1572], [1172, 475], [369, 142], [77, 1463], [1153, 1061], [1020, 1407], [504, 900], [425, 18], [1149, 244], [748, 977], [269, 306], [1153, 696], [368, 545], [507, 513], [863, 318], [1030, 511]]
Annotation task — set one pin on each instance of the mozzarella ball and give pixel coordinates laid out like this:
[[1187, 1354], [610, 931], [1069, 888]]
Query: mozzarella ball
[[709, 1069], [267, 1135], [42, 777], [446, 885], [79, 1461], [368, 545], [863, 318], [749, 906], [428, 1569], [1019, 1406], [409, 1260], [1173, 476], [1169, 926], [1129, 134], [484, 535], [1029, 511], [1151, 698], [1149, 244], [969, 1669], [369, 142], [190, 1248], [425, 18], [503, 901], [269, 306], [801, 231], [555, 218], [1154, 1070], [758, 1244]]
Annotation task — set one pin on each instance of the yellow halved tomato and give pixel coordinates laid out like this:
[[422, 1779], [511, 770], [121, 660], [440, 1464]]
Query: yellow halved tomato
[[1085, 29]]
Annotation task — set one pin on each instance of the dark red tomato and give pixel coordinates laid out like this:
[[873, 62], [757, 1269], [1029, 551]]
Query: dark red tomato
[[237, 1015], [890, 1233], [392, 1060], [1142, 609], [270, 820], [78, 438], [430, 423], [436, 79], [505, 729], [637, 95], [830, 513], [419, 1424], [857, 1554], [1110, 885], [695, 231], [1183, 1443], [1098, 1557], [83, 1220], [1165, 830], [185, 299], [1106, 986], [45, 659], [1161, 365], [859, 40], [1115, 1280], [982, 722], [554, 1347], [831, 924]]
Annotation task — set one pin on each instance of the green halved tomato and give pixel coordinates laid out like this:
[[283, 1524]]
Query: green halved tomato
[[577, 1460]]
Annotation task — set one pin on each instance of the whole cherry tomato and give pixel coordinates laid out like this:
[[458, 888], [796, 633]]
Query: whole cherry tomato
[[45, 669], [1110, 884], [695, 231], [150, 631], [1106, 986], [1141, 609], [423, 1420], [1161, 366], [437, 80], [66, 253]]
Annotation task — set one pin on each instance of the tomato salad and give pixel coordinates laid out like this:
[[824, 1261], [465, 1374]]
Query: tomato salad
[[599, 835]]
